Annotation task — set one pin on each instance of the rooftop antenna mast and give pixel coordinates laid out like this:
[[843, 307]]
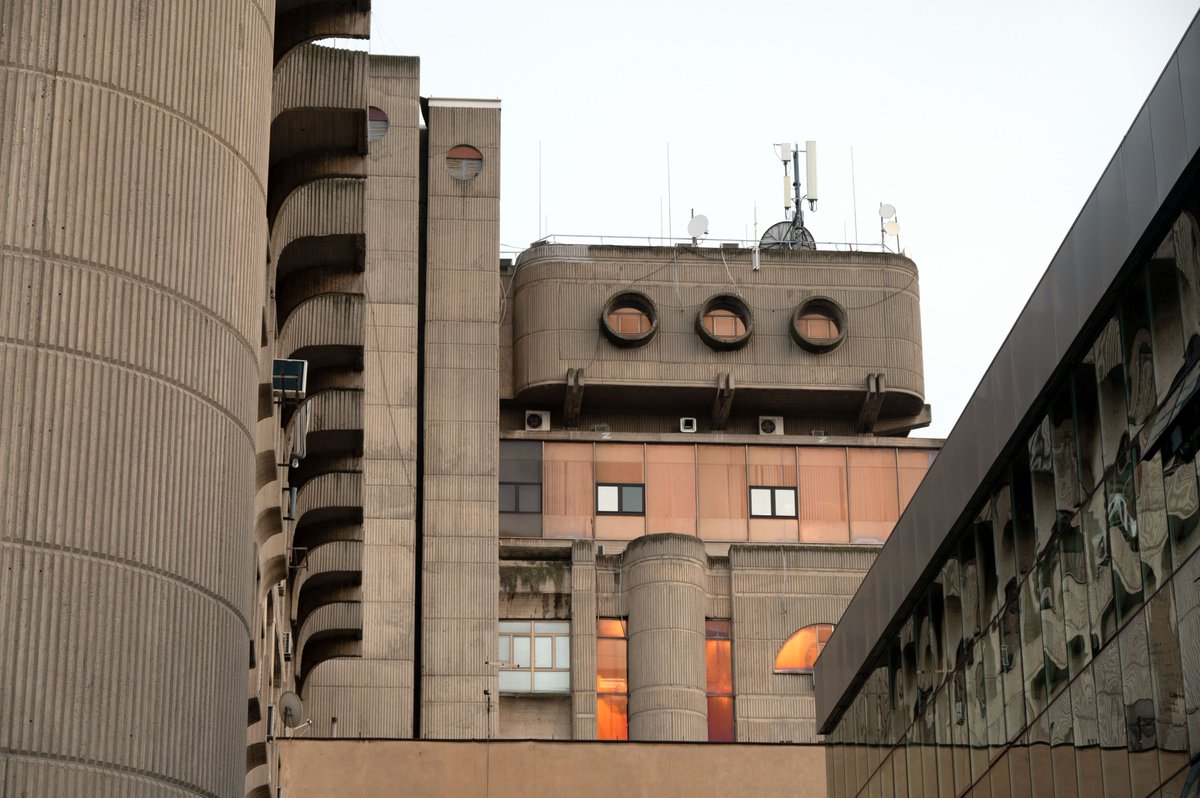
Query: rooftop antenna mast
[[792, 234]]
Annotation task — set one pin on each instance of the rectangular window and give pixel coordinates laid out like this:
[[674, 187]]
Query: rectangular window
[[535, 656], [516, 497], [719, 669], [773, 502], [621, 499], [612, 680]]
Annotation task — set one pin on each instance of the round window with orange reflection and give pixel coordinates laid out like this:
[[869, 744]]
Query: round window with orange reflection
[[799, 652], [464, 162], [724, 322], [629, 319], [818, 324]]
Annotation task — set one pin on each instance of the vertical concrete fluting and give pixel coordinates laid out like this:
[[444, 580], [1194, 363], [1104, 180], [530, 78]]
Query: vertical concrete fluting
[[133, 155], [665, 580]]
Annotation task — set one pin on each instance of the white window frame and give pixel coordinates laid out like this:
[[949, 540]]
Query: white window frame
[[557, 635]]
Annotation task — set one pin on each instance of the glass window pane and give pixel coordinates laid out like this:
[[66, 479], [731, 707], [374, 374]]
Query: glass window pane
[[760, 501], [720, 719], [716, 628], [1123, 532], [1110, 378], [508, 498], [515, 681], [1139, 352], [521, 652], [607, 499], [562, 652], [529, 498], [719, 667], [555, 627], [611, 666], [504, 648], [543, 652], [610, 627], [785, 502], [612, 717], [551, 681], [514, 626], [1183, 508], [633, 499]]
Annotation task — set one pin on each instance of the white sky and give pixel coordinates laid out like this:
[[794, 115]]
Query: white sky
[[985, 125]]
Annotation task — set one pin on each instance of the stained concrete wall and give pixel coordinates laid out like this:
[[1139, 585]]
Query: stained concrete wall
[[461, 429], [381, 769], [132, 233]]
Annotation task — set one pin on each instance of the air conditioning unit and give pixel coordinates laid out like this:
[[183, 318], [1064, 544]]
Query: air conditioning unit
[[287, 646], [280, 588], [537, 420], [687, 424], [817, 433], [770, 425]]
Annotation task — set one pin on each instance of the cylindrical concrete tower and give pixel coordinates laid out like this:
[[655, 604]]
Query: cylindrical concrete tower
[[664, 578], [132, 242]]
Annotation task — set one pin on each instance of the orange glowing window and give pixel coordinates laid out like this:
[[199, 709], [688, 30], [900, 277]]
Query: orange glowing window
[[817, 326], [799, 653], [723, 323], [718, 658], [612, 680]]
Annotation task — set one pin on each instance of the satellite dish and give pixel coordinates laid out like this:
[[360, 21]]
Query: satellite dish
[[887, 210], [291, 709], [698, 226], [891, 228], [785, 235]]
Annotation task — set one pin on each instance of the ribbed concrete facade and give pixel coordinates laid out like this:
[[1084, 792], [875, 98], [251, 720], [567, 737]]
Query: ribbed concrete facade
[[665, 580], [461, 430], [131, 241]]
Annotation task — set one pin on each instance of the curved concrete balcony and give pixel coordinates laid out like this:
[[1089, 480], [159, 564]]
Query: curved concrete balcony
[[256, 783], [330, 564], [326, 632], [333, 497], [318, 209], [334, 437], [300, 21], [328, 331], [340, 273]]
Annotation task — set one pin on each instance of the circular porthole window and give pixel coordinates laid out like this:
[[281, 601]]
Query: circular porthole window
[[629, 319], [818, 324], [464, 162], [724, 322]]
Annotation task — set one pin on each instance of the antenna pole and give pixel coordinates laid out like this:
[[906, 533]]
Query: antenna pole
[[799, 217]]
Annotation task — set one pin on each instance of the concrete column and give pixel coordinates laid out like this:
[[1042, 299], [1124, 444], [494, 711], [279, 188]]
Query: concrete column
[[133, 160], [664, 578], [583, 640]]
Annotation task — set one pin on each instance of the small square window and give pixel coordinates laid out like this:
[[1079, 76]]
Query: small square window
[[760, 502], [621, 499], [608, 499], [633, 499], [535, 656], [508, 498], [785, 502], [773, 502]]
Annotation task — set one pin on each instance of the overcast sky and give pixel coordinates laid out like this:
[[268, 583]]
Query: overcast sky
[[986, 125]]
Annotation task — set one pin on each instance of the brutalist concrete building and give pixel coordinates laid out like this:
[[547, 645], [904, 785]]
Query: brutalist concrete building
[[279, 426], [1032, 626]]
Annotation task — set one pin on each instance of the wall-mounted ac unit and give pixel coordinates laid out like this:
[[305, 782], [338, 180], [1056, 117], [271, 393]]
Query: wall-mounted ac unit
[[537, 420], [687, 424], [770, 425]]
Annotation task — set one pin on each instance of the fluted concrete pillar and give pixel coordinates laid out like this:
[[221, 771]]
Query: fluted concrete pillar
[[664, 579], [133, 157]]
